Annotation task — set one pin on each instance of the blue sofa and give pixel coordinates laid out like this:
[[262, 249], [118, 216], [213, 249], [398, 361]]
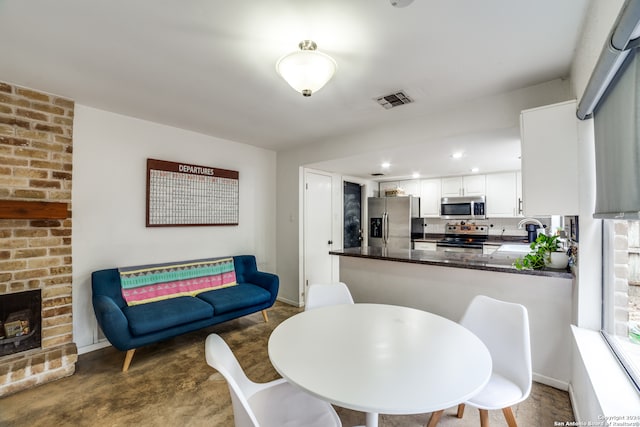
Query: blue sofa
[[129, 327]]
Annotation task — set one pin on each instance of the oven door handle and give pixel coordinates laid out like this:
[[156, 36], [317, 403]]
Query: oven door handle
[[449, 245], [458, 245]]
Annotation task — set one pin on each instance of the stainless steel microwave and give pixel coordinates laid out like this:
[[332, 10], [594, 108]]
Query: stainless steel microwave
[[463, 207]]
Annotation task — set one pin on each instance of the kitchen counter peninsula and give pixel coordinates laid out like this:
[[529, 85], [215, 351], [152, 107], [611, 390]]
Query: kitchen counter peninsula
[[444, 283], [499, 262]]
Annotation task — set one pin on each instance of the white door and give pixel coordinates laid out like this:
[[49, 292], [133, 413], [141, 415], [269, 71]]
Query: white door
[[317, 229]]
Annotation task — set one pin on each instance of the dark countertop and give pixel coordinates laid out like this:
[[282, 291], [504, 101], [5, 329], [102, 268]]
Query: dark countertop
[[500, 262]]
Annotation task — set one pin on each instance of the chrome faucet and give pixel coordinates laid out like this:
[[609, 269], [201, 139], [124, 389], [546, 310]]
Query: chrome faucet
[[526, 221], [534, 228]]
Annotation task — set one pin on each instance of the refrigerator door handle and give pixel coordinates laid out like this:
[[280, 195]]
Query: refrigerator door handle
[[385, 229]]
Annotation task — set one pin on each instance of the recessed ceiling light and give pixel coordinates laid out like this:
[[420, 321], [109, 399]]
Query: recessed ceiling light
[[475, 170], [385, 165], [457, 155], [416, 175]]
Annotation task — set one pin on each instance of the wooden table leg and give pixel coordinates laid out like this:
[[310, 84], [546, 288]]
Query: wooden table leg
[[435, 417]]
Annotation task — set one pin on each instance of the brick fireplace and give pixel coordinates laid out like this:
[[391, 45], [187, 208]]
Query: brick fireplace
[[36, 154]]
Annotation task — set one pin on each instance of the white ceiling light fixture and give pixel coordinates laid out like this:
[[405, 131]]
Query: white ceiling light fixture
[[306, 70], [457, 155]]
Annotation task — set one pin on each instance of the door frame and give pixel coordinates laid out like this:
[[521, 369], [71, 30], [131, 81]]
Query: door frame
[[369, 189], [336, 221]]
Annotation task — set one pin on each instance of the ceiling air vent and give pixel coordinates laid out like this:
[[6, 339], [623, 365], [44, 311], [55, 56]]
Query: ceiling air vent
[[377, 174], [394, 99]]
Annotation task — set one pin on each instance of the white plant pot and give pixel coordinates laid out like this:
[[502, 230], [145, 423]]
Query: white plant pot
[[558, 260]]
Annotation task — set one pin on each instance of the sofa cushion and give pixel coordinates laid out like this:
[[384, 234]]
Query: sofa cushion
[[149, 283], [236, 297], [161, 315]]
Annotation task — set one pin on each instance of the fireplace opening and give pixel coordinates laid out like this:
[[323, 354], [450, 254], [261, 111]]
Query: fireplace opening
[[20, 321]]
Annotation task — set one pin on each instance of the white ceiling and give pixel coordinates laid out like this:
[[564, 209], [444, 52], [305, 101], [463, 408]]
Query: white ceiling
[[209, 65]]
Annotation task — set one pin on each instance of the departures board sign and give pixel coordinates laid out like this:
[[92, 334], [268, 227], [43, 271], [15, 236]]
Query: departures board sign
[[180, 194]]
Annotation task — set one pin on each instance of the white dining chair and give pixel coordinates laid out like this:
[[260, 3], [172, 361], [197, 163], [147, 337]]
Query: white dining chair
[[321, 295], [504, 328], [273, 404]]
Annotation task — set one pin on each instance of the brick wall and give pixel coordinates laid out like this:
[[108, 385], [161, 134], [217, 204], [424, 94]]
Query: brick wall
[[36, 165]]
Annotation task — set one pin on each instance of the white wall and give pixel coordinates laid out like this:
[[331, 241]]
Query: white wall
[[586, 390], [494, 112], [109, 191]]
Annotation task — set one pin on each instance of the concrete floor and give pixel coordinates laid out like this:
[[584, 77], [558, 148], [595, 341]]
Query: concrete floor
[[170, 384]]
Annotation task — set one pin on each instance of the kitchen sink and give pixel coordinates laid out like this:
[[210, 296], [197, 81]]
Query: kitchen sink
[[522, 248]]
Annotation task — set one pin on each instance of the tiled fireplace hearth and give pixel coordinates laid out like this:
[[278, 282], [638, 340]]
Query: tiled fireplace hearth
[[36, 153]]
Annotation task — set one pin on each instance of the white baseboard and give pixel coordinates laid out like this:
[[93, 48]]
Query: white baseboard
[[551, 382], [574, 406], [290, 302], [93, 347]]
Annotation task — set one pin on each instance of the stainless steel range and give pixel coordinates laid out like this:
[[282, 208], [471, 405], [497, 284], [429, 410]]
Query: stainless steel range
[[463, 237]]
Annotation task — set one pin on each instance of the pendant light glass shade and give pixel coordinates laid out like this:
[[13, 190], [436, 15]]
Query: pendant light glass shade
[[307, 70]]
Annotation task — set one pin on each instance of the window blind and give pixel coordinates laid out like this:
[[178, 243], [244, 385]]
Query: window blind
[[617, 145]]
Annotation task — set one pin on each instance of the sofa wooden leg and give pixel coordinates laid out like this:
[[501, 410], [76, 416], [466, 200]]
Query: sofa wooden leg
[[127, 359], [266, 317]]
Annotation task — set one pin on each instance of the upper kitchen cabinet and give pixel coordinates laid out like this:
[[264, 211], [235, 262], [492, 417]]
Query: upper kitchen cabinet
[[468, 185], [550, 160], [519, 193], [503, 194], [430, 197], [411, 187]]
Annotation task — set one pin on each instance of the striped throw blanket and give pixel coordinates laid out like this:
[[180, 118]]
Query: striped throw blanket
[[148, 283]]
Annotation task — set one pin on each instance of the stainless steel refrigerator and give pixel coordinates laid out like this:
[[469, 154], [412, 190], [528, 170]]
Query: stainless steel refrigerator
[[389, 220]]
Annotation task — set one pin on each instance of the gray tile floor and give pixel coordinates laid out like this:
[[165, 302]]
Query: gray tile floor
[[170, 384]]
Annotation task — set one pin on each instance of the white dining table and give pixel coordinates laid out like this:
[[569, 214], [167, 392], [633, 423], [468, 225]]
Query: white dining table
[[378, 358]]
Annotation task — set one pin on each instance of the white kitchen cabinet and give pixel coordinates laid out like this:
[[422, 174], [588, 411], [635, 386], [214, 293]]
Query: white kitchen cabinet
[[451, 186], [520, 211], [411, 187], [550, 160], [430, 197], [425, 246], [468, 185], [502, 195], [473, 185]]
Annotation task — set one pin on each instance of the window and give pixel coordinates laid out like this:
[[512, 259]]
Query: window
[[621, 293]]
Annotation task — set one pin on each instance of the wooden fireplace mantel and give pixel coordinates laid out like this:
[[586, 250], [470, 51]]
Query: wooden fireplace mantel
[[26, 209]]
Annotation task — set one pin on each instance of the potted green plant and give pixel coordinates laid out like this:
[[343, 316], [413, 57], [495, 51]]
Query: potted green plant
[[540, 255]]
